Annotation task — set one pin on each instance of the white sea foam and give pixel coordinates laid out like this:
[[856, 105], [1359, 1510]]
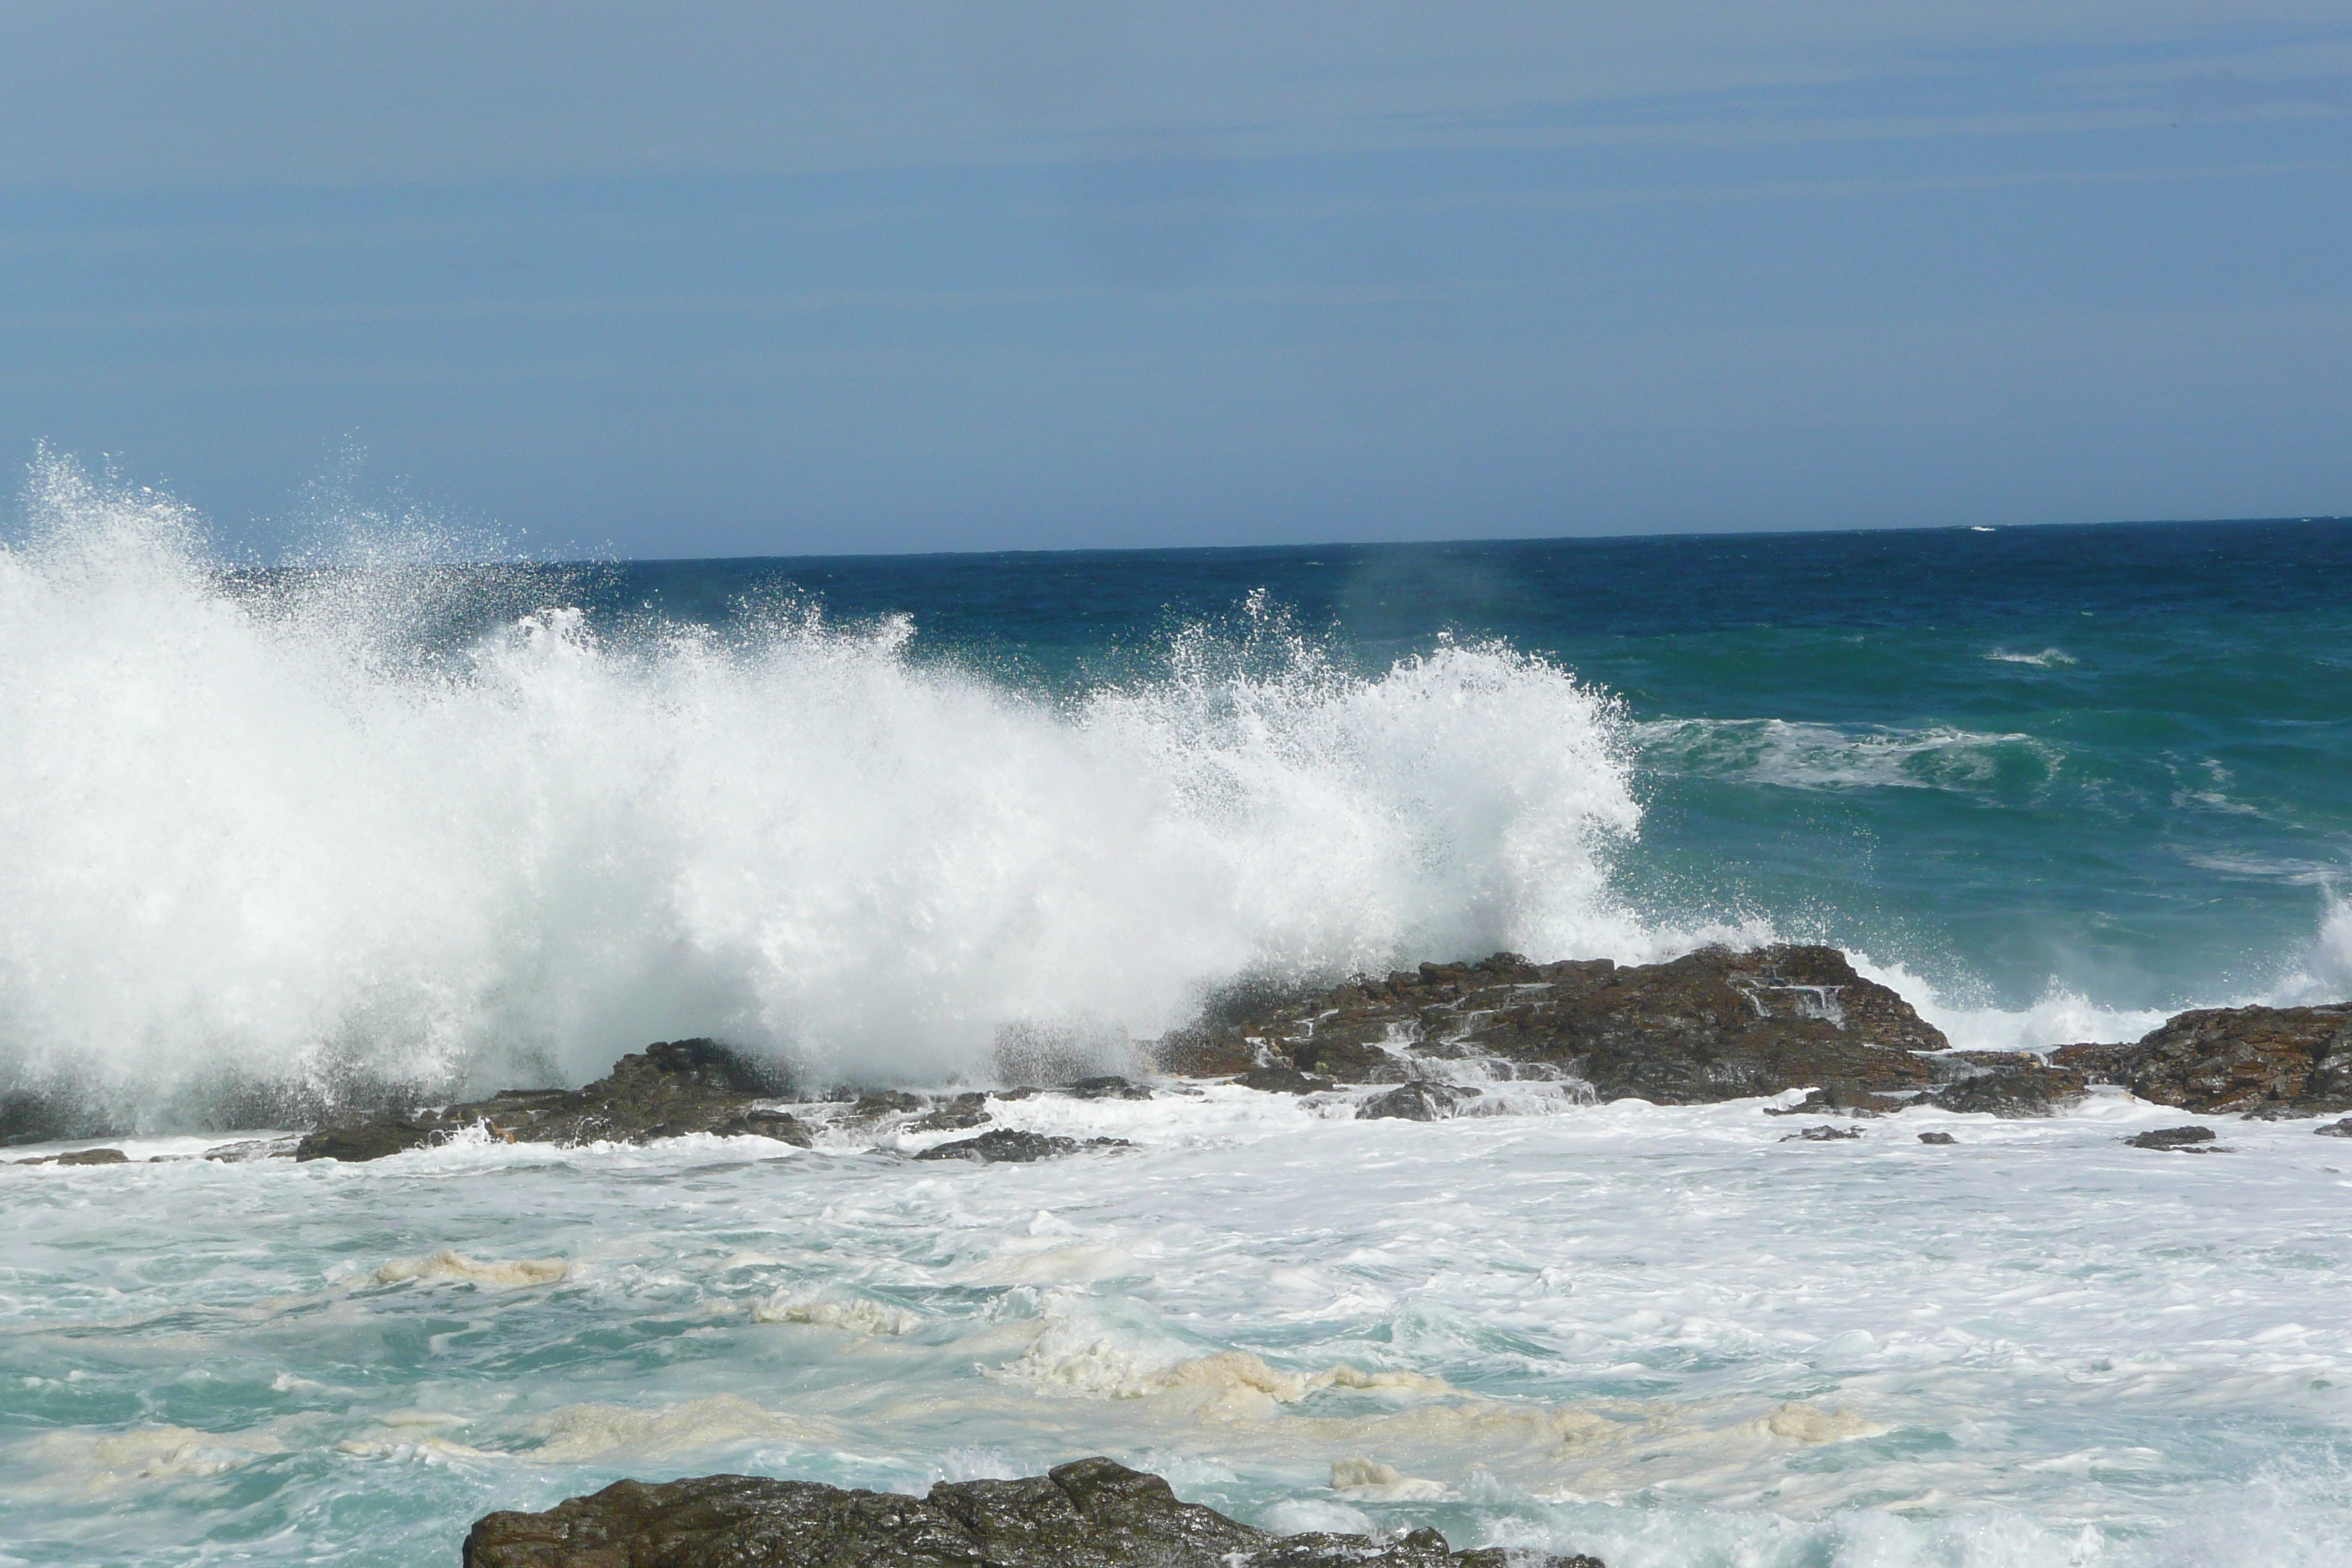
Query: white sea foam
[[1800, 755], [856, 1315], [261, 832], [579, 1433], [447, 1267]]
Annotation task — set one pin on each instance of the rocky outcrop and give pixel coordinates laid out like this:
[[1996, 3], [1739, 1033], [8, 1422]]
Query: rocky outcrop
[[1093, 1513], [667, 1089], [1710, 1025], [2292, 1061]]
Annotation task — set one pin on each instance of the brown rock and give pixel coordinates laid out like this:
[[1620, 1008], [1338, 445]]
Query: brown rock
[[2247, 1059]]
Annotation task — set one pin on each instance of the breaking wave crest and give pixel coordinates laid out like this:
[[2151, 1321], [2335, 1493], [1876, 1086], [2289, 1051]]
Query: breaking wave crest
[[273, 828]]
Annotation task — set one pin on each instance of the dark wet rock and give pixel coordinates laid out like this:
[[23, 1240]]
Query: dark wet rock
[[1093, 1513], [1824, 1133], [1106, 1087], [2003, 1083], [878, 1104], [2336, 1129], [965, 1111], [82, 1157], [1004, 1145], [669, 1090], [2180, 1140], [1840, 1098], [2251, 1060], [757, 1121], [1937, 1138], [1710, 1025], [250, 1148], [1419, 1102], [1284, 1080]]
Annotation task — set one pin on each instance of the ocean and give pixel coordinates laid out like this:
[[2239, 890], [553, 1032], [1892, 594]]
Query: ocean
[[387, 820]]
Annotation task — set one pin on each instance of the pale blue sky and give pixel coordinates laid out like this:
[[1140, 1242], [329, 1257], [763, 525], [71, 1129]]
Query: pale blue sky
[[734, 280]]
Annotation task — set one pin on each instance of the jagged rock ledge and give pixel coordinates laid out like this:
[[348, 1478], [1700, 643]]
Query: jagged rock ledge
[[1721, 1024], [1711, 1025], [1091, 1513]]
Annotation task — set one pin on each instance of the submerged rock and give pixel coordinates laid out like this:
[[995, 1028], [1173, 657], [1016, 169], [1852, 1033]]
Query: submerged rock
[[1823, 1134], [1006, 1146], [247, 1150], [81, 1157], [668, 1090], [1936, 1138], [1852, 1102], [2297, 1060], [1093, 1513], [2336, 1129], [2179, 1140]]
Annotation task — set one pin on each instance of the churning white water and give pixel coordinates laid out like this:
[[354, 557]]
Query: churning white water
[[261, 828], [1662, 1335]]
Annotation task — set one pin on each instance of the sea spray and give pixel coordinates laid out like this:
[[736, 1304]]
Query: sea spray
[[271, 830]]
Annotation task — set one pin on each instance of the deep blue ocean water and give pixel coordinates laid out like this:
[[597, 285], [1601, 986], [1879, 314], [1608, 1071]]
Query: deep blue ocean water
[[2111, 761]]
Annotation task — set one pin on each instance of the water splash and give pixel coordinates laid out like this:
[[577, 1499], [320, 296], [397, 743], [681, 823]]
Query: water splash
[[279, 829]]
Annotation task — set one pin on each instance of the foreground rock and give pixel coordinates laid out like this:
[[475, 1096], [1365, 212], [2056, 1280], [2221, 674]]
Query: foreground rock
[[667, 1090], [1707, 1027], [2260, 1062], [1093, 1513]]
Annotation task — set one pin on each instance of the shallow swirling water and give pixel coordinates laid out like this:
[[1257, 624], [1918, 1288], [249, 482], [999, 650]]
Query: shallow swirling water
[[379, 819]]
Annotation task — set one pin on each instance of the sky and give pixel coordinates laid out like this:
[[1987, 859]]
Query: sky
[[733, 279]]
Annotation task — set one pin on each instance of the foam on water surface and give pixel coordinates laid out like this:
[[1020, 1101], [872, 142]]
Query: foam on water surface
[[1657, 1333]]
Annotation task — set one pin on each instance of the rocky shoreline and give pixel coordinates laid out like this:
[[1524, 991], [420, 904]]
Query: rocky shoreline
[[1794, 1026], [1090, 1514], [1436, 1042]]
